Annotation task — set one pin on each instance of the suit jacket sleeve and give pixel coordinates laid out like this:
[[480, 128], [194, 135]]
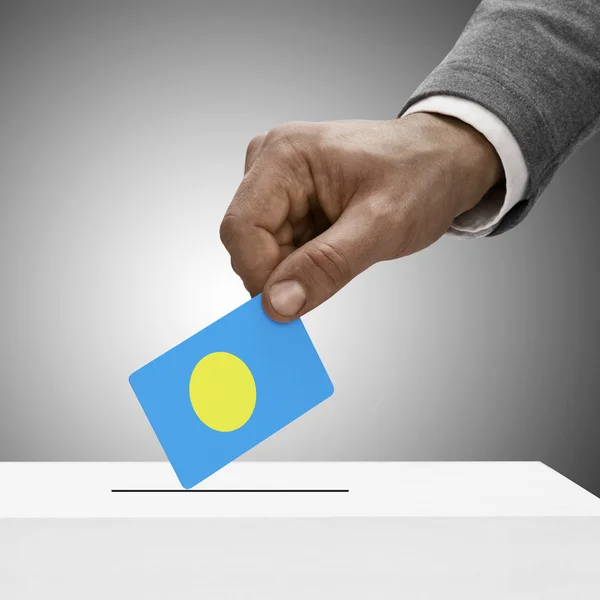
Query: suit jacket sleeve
[[535, 64]]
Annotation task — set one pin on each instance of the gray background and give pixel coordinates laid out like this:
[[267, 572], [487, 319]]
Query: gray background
[[123, 128]]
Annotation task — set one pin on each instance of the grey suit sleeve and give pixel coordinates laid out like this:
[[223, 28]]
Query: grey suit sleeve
[[536, 65]]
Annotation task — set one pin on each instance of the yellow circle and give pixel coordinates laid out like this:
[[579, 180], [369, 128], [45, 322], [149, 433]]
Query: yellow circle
[[222, 391]]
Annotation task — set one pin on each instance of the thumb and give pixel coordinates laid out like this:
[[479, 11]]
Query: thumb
[[320, 268]]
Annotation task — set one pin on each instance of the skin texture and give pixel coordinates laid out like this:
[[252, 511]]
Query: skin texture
[[321, 202]]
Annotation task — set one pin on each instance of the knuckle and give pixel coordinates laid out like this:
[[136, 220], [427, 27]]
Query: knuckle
[[254, 146], [329, 261], [287, 138], [285, 146], [276, 134], [228, 229], [283, 132]]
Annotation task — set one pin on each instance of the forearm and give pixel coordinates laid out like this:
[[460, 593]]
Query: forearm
[[536, 65]]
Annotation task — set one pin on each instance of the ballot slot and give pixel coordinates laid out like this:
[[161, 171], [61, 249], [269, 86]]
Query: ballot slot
[[291, 490], [240, 491]]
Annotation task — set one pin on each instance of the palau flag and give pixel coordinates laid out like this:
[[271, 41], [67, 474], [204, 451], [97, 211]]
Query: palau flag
[[227, 388]]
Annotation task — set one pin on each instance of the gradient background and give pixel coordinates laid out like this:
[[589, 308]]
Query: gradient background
[[123, 129]]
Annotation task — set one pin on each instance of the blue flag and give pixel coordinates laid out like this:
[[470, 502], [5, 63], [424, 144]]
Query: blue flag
[[227, 388]]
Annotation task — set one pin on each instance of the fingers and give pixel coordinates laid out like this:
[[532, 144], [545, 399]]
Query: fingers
[[274, 193], [321, 267], [253, 249]]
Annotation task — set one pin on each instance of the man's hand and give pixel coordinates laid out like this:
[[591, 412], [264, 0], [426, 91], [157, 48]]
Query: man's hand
[[322, 202]]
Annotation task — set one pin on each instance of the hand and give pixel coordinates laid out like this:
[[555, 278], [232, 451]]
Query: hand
[[322, 202]]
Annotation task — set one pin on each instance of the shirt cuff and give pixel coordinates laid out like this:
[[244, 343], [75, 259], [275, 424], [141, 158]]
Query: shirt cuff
[[483, 218]]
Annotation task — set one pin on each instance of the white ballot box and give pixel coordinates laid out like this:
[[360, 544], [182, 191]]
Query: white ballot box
[[297, 530]]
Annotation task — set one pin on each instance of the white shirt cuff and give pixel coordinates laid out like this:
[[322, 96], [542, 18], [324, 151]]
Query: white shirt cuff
[[483, 218]]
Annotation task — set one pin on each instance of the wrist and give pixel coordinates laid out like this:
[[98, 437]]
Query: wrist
[[471, 160]]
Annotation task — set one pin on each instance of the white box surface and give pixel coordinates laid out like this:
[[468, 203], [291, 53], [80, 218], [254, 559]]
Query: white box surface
[[314, 489], [414, 530]]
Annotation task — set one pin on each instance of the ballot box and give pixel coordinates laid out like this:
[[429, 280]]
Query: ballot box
[[297, 530]]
